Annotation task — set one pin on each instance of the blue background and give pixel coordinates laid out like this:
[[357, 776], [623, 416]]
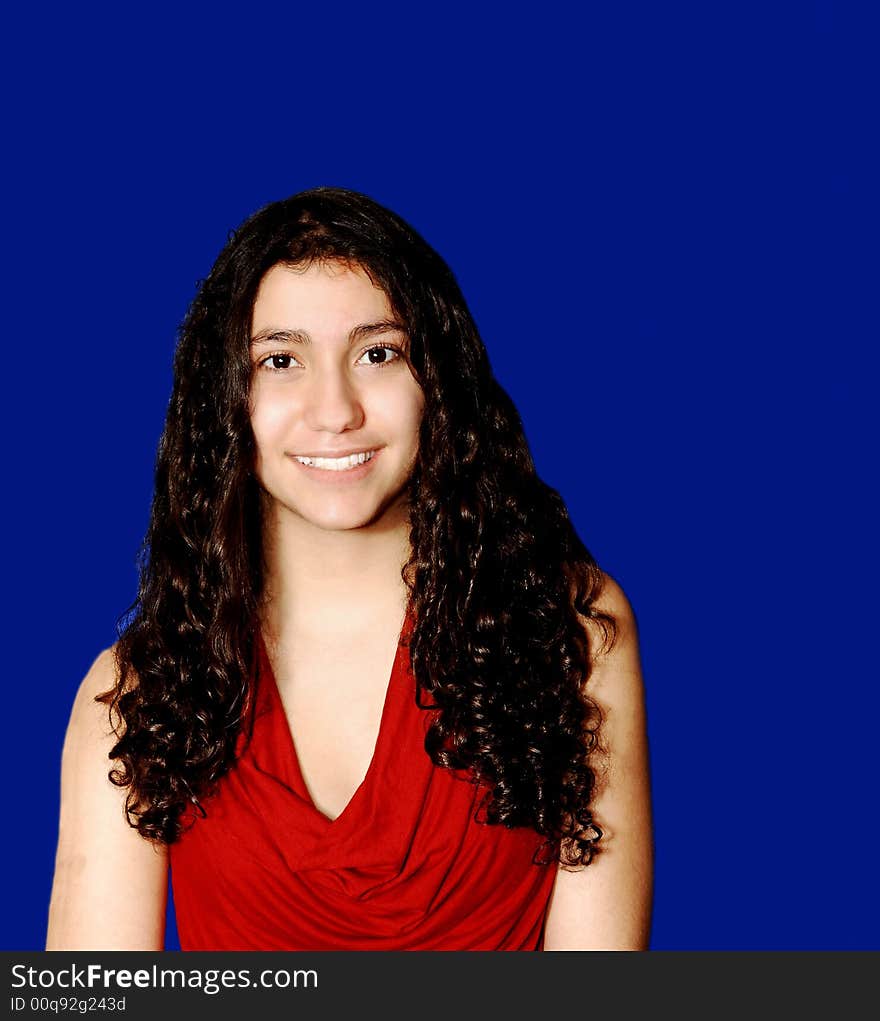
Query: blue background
[[662, 222]]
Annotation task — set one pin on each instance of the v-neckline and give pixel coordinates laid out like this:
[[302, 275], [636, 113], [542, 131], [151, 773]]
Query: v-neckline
[[277, 706]]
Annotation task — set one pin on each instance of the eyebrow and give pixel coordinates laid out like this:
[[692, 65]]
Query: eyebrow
[[360, 332]]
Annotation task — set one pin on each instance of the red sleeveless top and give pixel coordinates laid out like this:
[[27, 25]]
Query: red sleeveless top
[[404, 867]]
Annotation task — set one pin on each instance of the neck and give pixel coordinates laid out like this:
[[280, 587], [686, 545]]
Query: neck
[[326, 583]]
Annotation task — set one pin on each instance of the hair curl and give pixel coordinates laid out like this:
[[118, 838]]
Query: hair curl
[[499, 582]]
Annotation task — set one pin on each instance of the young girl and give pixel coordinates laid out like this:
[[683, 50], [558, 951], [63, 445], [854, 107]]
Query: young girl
[[374, 692]]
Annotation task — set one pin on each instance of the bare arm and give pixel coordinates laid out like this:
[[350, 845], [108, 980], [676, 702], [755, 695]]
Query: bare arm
[[110, 885], [607, 905]]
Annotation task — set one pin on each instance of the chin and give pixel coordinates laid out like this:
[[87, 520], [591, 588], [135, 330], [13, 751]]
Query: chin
[[343, 519], [339, 522], [338, 512]]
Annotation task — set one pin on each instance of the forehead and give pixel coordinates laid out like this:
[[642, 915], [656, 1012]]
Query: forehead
[[319, 297]]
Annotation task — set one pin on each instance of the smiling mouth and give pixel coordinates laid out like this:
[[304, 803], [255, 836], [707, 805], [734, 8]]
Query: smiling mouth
[[337, 464]]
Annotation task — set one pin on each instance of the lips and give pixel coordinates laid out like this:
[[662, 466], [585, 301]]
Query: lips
[[335, 463], [330, 454], [337, 469]]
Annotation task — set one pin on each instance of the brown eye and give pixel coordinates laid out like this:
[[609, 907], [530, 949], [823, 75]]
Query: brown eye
[[277, 363], [379, 356]]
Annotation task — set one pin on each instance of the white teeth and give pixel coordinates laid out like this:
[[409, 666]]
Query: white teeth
[[337, 464]]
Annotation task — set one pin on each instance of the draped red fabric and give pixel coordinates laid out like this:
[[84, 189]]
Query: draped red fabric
[[404, 867]]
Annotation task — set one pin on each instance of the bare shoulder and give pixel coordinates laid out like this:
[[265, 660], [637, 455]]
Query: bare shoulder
[[609, 598], [92, 730], [614, 652], [608, 904], [613, 600], [109, 885], [616, 682], [90, 719]]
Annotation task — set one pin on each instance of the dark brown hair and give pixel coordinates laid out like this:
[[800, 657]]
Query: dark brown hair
[[499, 582]]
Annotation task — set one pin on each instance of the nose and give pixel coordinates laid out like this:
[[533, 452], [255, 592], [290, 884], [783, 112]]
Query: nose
[[332, 403]]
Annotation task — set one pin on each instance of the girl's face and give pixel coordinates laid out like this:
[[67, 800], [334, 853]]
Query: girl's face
[[335, 410]]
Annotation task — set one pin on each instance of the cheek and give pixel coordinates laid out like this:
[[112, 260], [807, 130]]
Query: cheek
[[271, 416], [410, 408], [400, 415], [417, 413]]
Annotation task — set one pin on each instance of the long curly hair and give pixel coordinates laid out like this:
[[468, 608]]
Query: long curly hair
[[499, 584]]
